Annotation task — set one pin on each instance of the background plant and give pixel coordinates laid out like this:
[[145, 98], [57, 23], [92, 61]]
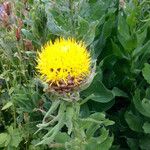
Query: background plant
[[118, 37]]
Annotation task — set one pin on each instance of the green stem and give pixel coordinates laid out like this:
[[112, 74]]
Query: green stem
[[77, 131], [86, 99]]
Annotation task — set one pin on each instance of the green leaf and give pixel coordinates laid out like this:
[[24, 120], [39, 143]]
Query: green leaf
[[135, 122], [141, 55], [93, 127], [62, 137], [94, 145], [117, 50], [141, 35], [3, 139], [123, 28], [7, 105], [146, 104], [142, 106], [118, 92], [106, 145], [146, 127], [129, 42], [98, 92], [108, 26], [103, 135], [133, 144], [145, 143], [16, 137], [54, 27], [83, 26], [69, 118], [146, 72], [147, 96], [141, 50], [90, 34], [27, 34]]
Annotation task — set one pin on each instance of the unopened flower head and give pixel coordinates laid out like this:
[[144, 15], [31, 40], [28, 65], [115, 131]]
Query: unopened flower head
[[64, 64]]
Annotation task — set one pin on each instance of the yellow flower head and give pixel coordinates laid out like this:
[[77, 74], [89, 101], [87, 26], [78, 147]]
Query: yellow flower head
[[64, 64]]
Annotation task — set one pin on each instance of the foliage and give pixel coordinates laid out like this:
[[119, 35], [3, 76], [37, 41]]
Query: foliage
[[114, 109]]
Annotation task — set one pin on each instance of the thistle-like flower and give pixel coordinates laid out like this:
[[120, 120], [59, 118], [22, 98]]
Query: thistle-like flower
[[64, 65], [66, 68]]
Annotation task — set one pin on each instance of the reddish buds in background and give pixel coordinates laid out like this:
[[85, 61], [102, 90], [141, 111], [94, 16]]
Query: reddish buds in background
[[18, 29], [28, 44], [7, 7], [5, 11]]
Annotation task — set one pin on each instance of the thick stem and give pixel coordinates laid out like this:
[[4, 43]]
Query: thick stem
[[77, 131]]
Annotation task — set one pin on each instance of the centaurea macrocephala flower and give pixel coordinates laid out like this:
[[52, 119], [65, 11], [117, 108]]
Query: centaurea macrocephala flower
[[64, 64]]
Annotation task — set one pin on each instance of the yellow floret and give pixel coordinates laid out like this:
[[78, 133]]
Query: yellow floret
[[63, 59]]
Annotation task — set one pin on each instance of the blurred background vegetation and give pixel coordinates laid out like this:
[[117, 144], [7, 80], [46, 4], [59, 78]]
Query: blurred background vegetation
[[118, 35]]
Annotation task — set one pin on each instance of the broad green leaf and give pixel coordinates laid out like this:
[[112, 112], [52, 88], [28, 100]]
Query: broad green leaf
[[142, 106], [98, 116], [83, 27], [108, 26], [141, 35], [3, 139], [146, 72], [135, 122], [108, 122], [117, 50], [103, 135], [106, 145], [91, 130], [101, 107], [132, 20], [123, 28], [147, 96], [96, 9], [108, 62], [128, 44], [15, 135], [94, 145], [54, 27], [118, 92], [90, 34], [98, 92], [141, 55], [133, 144], [146, 127], [7, 105], [146, 104], [145, 143], [141, 50], [16, 138], [62, 137]]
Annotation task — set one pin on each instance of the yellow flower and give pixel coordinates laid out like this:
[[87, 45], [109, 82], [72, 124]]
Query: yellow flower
[[64, 64]]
